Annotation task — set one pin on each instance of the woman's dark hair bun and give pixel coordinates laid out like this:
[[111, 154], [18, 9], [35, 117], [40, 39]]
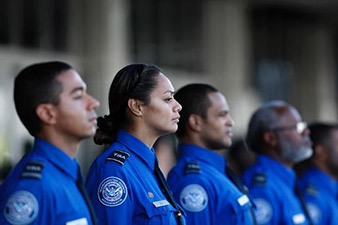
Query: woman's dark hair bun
[[104, 133]]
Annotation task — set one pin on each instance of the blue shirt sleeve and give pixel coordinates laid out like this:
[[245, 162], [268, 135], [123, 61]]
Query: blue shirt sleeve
[[109, 191], [209, 202], [193, 197], [28, 203], [266, 211]]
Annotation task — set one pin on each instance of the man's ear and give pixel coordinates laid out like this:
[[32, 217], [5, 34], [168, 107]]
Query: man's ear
[[46, 113], [135, 107], [270, 138], [195, 122], [321, 152]]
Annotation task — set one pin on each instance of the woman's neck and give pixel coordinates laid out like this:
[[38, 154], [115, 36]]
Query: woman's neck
[[143, 135]]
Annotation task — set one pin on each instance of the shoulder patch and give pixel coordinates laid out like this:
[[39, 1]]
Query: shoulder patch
[[263, 212], [311, 190], [194, 198], [112, 191], [21, 208], [315, 213], [192, 167], [118, 156], [259, 179], [33, 169]]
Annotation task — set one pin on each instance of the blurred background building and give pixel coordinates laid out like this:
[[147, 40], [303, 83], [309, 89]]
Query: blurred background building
[[251, 50]]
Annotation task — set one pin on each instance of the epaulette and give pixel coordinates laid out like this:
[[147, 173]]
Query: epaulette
[[259, 179], [311, 190], [118, 156], [192, 167], [33, 169]]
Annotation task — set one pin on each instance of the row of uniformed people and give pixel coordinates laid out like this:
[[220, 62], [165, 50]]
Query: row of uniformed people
[[316, 180], [280, 139], [125, 183]]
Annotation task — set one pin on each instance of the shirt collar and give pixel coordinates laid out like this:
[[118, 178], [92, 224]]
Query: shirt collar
[[204, 155], [137, 147], [57, 157], [282, 172]]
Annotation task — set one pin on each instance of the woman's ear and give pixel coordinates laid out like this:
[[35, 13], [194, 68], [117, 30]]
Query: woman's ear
[[135, 107], [46, 113]]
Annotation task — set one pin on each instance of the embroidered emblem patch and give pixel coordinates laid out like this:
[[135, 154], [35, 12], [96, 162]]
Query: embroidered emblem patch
[[264, 211], [194, 198], [312, 190], [259, 179], [119, 156], [21, 208], [192, 167], [112, 191], [33, 170], [315, 213]]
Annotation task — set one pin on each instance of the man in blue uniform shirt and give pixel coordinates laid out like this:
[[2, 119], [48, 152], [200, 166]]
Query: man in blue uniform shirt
[[199, 180], [318, 175], [280, 138], [46, 186]]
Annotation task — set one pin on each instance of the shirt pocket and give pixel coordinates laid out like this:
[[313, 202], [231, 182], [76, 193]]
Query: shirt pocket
[[160, 212]]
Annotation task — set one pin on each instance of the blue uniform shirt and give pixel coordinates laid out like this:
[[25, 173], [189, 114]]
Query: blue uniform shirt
[[319, 191], [123, 187], [207, 195], [42, 190], [337, 192], [271, 185]]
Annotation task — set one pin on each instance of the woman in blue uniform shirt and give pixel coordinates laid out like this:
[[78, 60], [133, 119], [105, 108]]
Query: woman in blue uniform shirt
[[124, 182]]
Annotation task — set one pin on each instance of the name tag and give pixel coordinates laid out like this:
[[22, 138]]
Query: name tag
[[243, 200], [298, 218], [160, 203], [82, 221]]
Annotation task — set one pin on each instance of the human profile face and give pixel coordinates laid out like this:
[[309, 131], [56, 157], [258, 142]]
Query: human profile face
[[332, 159], [294, 144], [161, 114], [75, 112], [216, 131]]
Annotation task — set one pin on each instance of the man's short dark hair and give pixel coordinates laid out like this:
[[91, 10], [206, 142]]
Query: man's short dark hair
[[194, 100], [320, 133], [35, 85]]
